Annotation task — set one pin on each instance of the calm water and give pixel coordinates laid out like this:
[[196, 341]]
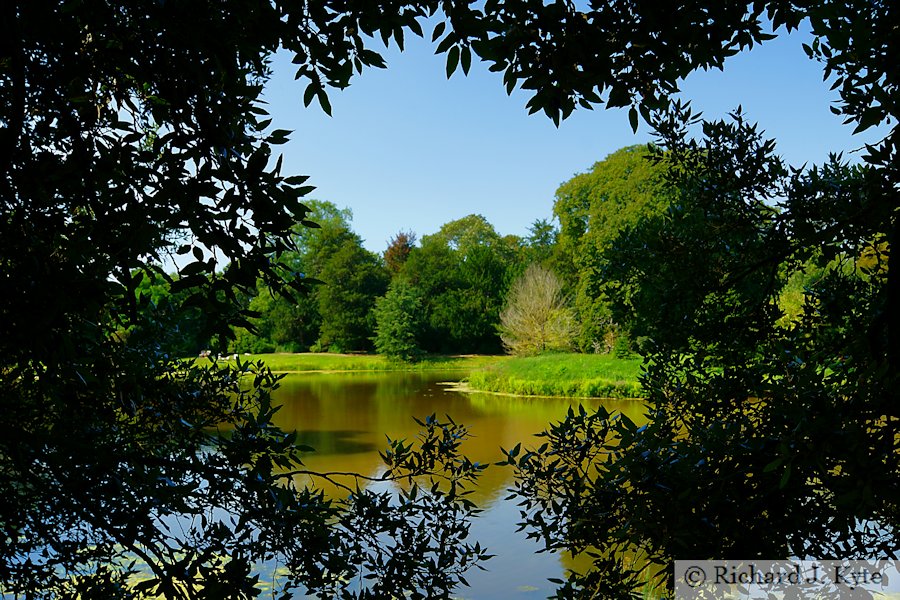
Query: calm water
[[346, 417]]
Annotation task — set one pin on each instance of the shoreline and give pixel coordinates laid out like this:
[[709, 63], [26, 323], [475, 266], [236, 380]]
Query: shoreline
[[464, 387], [561, 375]]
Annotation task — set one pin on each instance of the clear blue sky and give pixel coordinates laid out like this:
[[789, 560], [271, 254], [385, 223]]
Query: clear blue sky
[[407, 149]]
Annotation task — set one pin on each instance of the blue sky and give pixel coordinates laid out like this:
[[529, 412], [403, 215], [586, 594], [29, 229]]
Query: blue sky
[[408, 149]]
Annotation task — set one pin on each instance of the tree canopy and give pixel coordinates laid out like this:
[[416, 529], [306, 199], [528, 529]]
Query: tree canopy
[[593, 208], [462, 272], [129, 134], [398, 317], [765, 438]]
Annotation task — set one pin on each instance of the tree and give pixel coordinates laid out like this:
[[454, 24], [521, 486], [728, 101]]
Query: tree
[[707, 258], [175, 328], [314, 246], [744, 413], [129, 134], [463, 271], [352, 279], [398, 250], [333, 313], [288, 323], [466, 233], [535, 318], [764, 440], [541, 241], [470, 313], [399, 322], [592, 209]]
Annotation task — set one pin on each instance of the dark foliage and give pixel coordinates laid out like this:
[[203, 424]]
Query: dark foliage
[[131, 133], [765, 439]]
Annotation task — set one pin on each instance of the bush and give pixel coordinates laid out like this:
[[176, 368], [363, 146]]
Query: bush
[[245, 341]]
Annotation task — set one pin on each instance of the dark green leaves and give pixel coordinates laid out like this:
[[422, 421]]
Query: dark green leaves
[[750, 433], [132, 135]]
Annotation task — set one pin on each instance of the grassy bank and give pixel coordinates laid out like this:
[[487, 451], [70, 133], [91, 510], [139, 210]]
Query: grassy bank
[[571, 375], [309, 362]]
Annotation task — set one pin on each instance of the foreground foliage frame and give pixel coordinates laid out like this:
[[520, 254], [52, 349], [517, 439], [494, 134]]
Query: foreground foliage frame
[[132, 133]]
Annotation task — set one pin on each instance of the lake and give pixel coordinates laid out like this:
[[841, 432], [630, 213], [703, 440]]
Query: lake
[[346, 417]]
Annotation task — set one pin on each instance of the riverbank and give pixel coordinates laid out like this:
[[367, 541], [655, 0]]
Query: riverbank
[[569, 375], [308, 362], [563, 375]]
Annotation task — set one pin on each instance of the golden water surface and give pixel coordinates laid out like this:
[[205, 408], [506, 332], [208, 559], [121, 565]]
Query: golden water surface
[[346, 417]]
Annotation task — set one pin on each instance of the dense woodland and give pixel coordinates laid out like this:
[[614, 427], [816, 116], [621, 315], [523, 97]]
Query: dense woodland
[[761, 297], [446, 294], [443, 294]]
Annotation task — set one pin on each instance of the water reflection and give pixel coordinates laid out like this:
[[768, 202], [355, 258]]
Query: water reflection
[[346, 417]]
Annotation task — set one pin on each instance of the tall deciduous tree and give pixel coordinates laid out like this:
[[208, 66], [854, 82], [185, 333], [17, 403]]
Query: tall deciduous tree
[[288, 323], [463, 272], [314, 246], [352, 279], [291, 321], [466, 233], [536, 318], [593, 208]]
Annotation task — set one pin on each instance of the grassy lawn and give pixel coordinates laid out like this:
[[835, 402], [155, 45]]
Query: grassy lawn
[[306, 362], [571, 375]]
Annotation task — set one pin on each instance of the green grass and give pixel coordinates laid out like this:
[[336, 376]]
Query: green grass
[[306, 362], [569, 375]]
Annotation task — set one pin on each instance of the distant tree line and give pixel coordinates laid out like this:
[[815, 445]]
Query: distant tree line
[[466, 288], [443, 294]]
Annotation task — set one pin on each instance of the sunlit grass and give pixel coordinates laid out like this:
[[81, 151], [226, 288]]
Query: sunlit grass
[[310, 362], [570, 375]]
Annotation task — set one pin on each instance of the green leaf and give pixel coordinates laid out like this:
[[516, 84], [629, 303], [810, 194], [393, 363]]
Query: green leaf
[[438, 31], [785, 477], [310, 93], [445, 44], [773, 465], [452, 60], [324, 102], [466, 59], [416, 28]]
